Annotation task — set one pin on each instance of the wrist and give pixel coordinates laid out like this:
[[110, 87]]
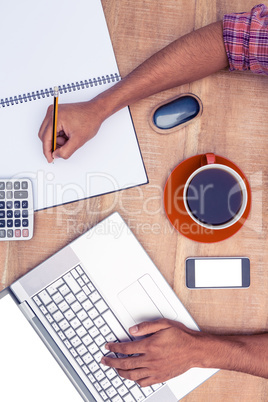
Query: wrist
[[203, 350], [101, 106], [210, 351], [219, 351], [110, 101]]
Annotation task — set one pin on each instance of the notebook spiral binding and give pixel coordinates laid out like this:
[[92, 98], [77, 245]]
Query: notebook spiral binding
[[14, 100]]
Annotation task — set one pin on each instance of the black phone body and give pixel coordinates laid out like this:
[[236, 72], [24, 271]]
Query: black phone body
[[217, 272]]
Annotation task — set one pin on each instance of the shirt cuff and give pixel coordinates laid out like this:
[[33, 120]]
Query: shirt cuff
[[245, 37]]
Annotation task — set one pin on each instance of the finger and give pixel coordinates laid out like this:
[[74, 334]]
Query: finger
[[66, 150], [61, 141], [149, 327], [126, 348], [146, 382], [47, 118], [45, 134], [47, 142], [126, 363], [135, 375]]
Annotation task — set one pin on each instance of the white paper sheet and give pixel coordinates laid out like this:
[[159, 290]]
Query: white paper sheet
[[52, 43], [55, 43]]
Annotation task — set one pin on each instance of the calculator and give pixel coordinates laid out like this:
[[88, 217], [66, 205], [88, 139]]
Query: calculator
[[16, 209]]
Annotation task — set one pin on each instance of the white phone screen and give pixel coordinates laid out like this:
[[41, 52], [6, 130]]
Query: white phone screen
[[218, 273]]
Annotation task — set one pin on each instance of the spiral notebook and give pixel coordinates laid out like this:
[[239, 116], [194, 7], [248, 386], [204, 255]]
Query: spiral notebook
[[64, 43]]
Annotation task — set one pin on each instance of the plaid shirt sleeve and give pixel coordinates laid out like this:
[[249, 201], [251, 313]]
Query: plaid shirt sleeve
[[245, 37]]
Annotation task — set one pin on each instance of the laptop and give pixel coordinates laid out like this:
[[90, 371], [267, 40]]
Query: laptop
[[56, 319]]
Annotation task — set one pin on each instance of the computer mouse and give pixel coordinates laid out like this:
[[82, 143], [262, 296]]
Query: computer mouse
[[175, 113]]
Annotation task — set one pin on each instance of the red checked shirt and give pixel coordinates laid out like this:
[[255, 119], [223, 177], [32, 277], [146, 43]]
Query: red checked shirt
[[246, 40]]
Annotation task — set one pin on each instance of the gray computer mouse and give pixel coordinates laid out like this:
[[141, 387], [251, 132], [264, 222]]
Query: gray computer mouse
[[176, 113]]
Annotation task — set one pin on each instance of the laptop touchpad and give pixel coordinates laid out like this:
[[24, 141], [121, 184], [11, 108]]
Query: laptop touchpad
[[144, 301]]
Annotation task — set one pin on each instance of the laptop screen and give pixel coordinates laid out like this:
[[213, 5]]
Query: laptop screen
[[27, 367]]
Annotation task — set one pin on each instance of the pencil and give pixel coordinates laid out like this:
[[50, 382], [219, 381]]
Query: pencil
[[55, 118]]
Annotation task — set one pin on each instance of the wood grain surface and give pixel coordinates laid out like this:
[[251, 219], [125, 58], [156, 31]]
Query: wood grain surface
[[234, 124]]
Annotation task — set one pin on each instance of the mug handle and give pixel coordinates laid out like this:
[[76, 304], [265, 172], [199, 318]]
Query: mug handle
[[208, 159]]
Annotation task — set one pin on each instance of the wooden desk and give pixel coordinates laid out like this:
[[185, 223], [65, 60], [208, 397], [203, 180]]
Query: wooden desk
[[234, 124]]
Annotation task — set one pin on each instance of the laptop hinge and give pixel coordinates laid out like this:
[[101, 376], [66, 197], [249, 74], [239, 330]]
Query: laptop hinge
[[26, 310]]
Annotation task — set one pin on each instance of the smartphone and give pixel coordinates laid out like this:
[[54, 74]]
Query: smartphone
[[217, 272]]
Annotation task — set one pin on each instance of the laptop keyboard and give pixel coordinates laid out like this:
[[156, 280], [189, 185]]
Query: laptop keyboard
[[84, 322]]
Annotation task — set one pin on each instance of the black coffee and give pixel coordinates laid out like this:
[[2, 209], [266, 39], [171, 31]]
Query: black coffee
[[214, 196]]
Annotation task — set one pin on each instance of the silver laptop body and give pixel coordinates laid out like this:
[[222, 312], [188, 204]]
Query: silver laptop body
[[90, 293]]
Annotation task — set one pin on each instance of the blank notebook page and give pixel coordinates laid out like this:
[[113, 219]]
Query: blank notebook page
[[61, 43]]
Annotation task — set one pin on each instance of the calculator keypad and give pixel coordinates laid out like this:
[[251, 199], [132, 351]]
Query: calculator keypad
[[16, 209]]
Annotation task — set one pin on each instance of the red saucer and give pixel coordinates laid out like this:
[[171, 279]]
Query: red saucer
[[175, 209]]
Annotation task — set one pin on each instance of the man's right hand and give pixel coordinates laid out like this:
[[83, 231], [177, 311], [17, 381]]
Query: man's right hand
[[77, 124]]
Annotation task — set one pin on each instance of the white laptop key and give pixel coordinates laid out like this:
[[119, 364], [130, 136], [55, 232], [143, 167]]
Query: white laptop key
[[101, 306], [117, 328], [44, 296], [138, 395], [57, 297], [147, 391], [156, 386], [53, 288], [129, 398], [72, 283]]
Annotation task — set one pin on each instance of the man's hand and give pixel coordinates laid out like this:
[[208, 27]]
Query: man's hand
[[170, 350], [77, 123]]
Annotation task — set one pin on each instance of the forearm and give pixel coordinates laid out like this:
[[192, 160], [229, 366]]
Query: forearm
[[189, 58], [244, 353]]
